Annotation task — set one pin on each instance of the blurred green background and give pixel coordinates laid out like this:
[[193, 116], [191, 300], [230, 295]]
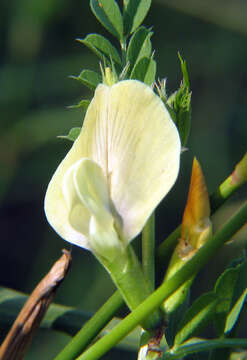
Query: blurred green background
[[38, 53]]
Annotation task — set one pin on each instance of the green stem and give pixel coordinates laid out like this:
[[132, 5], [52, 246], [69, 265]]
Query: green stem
[[204, 346], [148, 266], [136, 291], [224, 191], [232, 183], [92, 328], [166, 289], [148, 250]]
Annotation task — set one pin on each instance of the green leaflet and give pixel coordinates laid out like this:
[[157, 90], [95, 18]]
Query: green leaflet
[[184, 71], [196, 345], [241, 283], [224, 289], [174, 318], [102, 48], [232, 281], [89, 78], [231, 290], [234, 314], [238, 298], [83, 104], [109, 15], [145, 70], [196, 317], [139, 46], [72, 135], [134, 13]]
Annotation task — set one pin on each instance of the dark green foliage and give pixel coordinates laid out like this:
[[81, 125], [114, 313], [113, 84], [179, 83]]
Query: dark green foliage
[[224, 290], [89, 78], [102, 48], [231, 289], [83, 104], [108, 13], [144, 70], [139, 46], [134, 12], [72, 135], [196, 317]]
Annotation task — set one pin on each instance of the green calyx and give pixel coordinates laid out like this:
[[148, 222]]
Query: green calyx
[[128, 276]]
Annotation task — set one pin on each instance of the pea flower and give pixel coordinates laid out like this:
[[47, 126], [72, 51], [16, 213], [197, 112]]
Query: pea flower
[[120, 167]]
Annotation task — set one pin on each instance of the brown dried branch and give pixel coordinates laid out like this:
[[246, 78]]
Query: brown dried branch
[[16, 343]]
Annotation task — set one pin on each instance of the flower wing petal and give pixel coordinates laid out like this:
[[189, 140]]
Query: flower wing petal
[[57, 210], [61, 205]]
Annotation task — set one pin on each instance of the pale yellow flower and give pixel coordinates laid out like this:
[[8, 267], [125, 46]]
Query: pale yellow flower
[[121, 166]]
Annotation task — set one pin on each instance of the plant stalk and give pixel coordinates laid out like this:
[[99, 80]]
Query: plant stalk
[[166, 289], [148, 250], [87, 333], [98, 321]]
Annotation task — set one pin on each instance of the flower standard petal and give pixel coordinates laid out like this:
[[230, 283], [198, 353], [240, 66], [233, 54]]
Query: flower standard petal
[[130, 134], [143, 153]]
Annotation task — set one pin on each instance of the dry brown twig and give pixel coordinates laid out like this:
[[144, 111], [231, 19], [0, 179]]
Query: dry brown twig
[[17, 341]]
